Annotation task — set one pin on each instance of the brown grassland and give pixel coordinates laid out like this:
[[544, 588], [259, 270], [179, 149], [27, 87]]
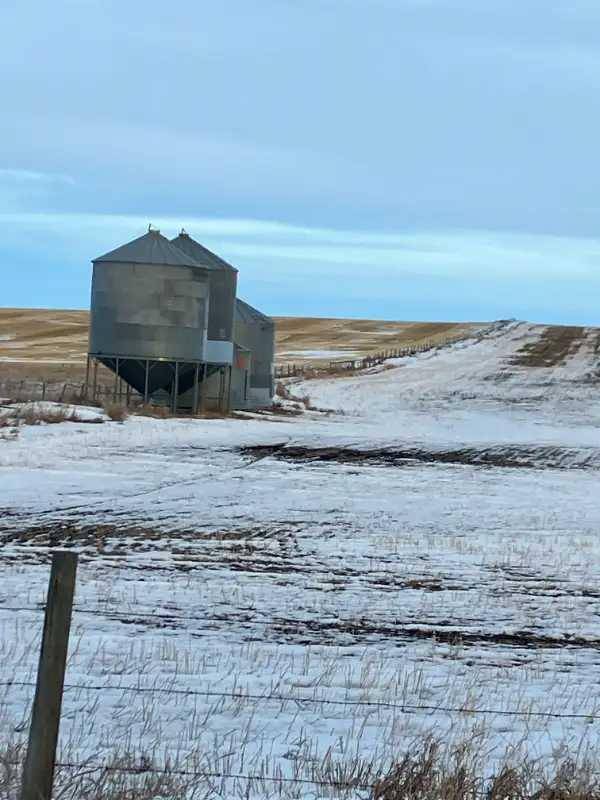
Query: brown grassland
[[43, 344]]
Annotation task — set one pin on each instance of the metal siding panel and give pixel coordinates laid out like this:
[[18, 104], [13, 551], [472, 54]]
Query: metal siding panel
[[219, 352], [149, 311], [223, 287]]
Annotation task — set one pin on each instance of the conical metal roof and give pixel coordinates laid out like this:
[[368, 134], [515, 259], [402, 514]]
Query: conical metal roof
[[247, 313], [199, 253], [151, 248]]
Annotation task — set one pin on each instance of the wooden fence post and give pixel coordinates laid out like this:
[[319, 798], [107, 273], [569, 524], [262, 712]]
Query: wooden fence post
[[38, 771], [95, 381]]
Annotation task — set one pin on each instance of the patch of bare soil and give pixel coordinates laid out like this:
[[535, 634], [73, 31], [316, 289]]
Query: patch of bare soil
[[273, 551], [362, 630], [514, 456], [552, 349]]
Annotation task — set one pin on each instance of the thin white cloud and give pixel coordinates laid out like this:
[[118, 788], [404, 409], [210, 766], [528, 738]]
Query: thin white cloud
[[450, 254], [27, 176]]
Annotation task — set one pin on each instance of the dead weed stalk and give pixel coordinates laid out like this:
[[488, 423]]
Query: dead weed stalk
[[115, 412]]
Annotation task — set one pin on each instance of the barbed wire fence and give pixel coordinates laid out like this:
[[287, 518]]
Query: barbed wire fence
[[251, 779], [73, 391], [29, 391], [290, 370], [70, 391], [293, 370]]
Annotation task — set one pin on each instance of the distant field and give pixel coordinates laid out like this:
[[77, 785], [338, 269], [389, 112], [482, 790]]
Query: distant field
[[43, 344], [310, 339], [51, 344]]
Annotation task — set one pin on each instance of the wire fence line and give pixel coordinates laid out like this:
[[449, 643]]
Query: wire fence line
[[407, 708], [366, 362], [69, 390], [339, 782], [129, 615], [142, 769], [28, 390]]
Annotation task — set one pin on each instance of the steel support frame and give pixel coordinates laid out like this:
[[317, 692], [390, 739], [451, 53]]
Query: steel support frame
[[199, 386]]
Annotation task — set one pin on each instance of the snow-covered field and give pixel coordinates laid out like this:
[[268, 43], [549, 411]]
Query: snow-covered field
[[427, 551]]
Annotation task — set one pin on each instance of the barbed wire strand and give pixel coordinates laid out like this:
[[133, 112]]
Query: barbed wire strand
[[404, 707], [145, 769]]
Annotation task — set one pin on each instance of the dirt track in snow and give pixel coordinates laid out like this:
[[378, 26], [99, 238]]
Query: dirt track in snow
[[516, 456]]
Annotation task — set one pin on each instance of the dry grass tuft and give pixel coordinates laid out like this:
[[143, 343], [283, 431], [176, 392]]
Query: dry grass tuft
[[9, 426], [87, 783], [11, 758], [115, 411], [7, 420], [429, 775], [289, 409], [282, 391], [36, 415], [40, 414], [431, 772], [163, 412], [156, 412], [436, 773], [214, 414]]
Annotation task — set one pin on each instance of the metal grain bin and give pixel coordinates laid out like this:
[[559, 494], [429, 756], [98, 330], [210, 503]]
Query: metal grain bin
[[223, 286], [149, 301], [255, 332]]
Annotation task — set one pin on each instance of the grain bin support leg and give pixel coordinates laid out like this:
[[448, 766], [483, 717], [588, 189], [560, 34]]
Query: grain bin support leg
[[38, 772], [229, 380], [86, 391], [195, 400], [116, 386], [204, 389], [175, 387], [146, 382], [95, 381], [222, 389]]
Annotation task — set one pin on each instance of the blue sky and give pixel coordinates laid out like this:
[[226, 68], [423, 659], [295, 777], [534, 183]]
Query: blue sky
[[401, 159]]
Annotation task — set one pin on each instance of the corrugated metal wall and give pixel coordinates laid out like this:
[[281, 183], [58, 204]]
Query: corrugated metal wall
[[256, 333], [149, 311]]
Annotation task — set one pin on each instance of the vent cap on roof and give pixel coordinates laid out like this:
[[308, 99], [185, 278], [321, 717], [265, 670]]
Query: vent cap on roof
[[199, 253], [151, 248]]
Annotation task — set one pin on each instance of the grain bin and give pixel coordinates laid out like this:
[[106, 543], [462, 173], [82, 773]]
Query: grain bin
[[149, 313], [255, 332], [223, 285], [165, 319]]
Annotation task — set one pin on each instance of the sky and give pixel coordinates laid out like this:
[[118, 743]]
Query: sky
[[394, 159]]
